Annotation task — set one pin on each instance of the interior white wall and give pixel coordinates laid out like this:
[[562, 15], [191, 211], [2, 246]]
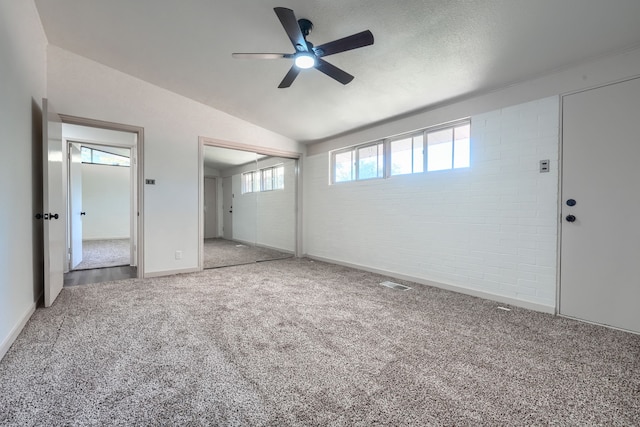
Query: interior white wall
[[490, 228], [245, 222], [172, 124], [22, 87], [98, 136], [276, 213], [509, 215], [106, 199], [213, 172], [265, 218]]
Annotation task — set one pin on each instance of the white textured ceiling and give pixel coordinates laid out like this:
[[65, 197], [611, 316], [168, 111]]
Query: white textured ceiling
[[426, 51]]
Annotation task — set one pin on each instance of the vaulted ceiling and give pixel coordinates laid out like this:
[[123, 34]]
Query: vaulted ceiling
[[426, 52]]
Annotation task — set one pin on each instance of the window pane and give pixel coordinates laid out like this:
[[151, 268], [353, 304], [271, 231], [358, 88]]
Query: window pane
[[401, 158], [246, 183], [279, 185], [440, 150], [462, 147], [267, 179], [344, 166], [85, 152], [104, 158], [370, 162], [418, 154], [255, 180]]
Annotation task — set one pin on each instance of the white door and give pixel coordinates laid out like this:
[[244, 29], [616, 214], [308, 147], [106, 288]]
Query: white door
[[53, 203], [75, 203], [210, 209], [600, 246], [227, 208]]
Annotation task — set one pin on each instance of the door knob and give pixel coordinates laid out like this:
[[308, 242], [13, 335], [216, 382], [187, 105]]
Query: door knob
[[39, 216], [571, 202], [83, 213], [570, 218]]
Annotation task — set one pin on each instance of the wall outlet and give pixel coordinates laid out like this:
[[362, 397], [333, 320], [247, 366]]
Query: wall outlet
[[178, 254]]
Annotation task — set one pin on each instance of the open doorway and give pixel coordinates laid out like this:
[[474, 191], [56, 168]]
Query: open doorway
[[102, 213], [248, 204]]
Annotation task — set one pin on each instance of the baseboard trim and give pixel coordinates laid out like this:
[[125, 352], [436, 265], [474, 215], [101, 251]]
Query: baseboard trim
[[170, 272], [10, 339], [459, 289]]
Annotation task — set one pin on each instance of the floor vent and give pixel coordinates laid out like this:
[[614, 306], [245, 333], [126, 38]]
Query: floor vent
[[394, 285]]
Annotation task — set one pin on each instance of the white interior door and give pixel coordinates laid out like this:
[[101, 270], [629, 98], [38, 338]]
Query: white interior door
[[210, 208], [227, 208], [600, 246], [53, 203], [75, 203]]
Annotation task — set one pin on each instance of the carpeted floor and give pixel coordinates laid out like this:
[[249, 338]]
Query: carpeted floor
[[104, 253], [296, 342], [224, 253]]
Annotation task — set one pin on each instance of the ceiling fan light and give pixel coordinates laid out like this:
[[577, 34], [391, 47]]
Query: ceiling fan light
[[305, 60]]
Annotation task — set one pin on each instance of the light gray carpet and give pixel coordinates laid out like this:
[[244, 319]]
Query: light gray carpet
[[224, 253], [296, 342], [104, 253]]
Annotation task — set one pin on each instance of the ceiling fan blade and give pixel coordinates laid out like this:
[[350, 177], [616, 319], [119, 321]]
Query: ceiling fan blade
[[289, 78], [333, 71], [261, 55], [292, 28], [364, 38]]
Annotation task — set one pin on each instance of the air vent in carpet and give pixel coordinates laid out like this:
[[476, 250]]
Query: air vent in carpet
[[394, 285]]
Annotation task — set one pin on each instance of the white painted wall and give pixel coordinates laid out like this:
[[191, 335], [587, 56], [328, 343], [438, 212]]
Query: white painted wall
[[22, 87], [106, 199], [265, 218], [245, 222], [276, 214], [213, 172], [490, 228], [172, 124]]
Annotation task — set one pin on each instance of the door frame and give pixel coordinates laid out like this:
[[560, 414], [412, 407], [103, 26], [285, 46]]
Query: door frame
[[137, 185], [561, 195], [212, 142], [132, 191]]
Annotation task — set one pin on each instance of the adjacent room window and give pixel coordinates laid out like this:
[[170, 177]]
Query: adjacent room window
[[431, 149], [100, 157], [266, 179], [272, 178], [249, 182]]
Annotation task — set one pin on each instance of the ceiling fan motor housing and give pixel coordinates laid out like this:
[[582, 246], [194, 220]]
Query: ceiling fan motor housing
[[305, 26]]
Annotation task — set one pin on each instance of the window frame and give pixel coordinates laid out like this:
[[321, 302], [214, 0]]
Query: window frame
[[257, 179], [387, 159], [92, 162]]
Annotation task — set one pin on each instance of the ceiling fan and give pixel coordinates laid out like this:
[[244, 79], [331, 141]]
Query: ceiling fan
[[308, 56]]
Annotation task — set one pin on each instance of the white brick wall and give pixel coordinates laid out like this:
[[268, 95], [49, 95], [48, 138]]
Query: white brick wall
[[266, 218], [489, 229]]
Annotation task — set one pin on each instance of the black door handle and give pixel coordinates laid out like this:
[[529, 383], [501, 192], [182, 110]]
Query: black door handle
[[83, 213], [39, 216], [570, 218]]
